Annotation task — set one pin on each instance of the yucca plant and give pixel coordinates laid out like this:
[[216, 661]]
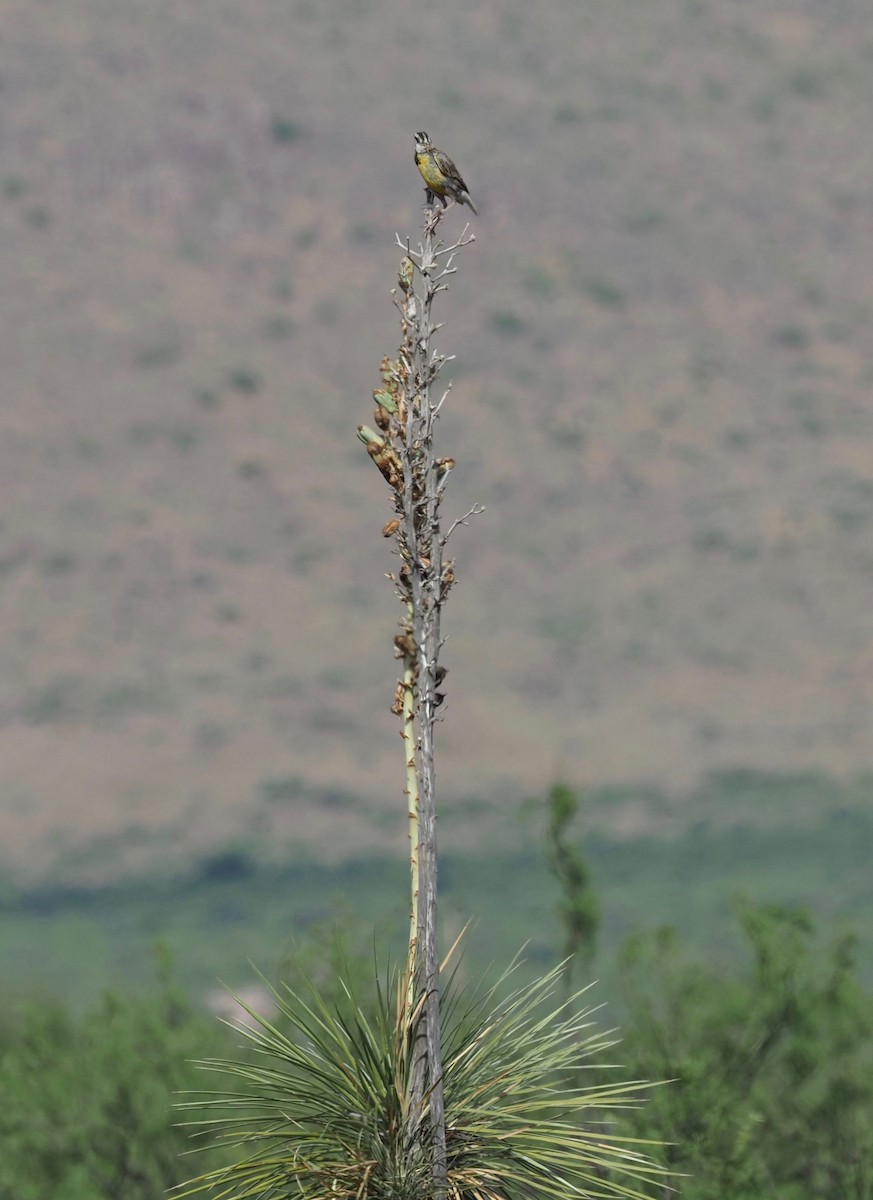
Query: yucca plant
[[432, 1096], [322, 1107]]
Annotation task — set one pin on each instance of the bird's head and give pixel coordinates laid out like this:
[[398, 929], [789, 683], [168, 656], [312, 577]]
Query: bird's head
[[423, 142]]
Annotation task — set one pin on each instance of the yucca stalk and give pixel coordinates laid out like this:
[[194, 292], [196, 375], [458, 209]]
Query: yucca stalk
[[425, 1095], [404, 450]]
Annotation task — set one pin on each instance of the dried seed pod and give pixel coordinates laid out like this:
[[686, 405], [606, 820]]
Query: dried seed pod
[[404, 643], [383, 456], [391, 528], [389, 370]]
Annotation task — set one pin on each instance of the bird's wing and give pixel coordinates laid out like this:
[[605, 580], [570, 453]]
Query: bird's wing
[[449, 169]]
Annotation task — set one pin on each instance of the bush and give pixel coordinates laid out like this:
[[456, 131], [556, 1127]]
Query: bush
[[773, 1091], [86, 1103]]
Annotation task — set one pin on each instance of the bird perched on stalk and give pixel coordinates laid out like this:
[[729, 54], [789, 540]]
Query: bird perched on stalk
[[442, 178]]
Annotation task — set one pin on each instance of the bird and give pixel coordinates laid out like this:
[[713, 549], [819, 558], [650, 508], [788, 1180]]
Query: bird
[[442, 178]]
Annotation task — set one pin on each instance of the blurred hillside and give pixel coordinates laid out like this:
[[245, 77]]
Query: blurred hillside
[[663, 399]]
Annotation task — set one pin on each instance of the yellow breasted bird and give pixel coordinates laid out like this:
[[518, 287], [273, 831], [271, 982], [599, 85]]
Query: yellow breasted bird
[[442, 178]]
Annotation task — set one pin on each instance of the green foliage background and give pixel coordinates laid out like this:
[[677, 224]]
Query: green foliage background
[[773, 1065], [85, 1101], [801, 840], [770, 1060]]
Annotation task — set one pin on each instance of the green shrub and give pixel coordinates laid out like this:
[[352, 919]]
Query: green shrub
[[773, 1070], [86, 1103]]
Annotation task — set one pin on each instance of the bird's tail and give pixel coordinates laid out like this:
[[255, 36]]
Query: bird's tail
[[465, 198]]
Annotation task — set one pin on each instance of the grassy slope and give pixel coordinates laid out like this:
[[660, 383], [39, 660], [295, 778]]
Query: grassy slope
[[230, 911], [663, 344]]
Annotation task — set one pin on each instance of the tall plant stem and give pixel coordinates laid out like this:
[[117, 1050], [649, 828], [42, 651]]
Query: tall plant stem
[[406, 415], [413, 808], [421, 500]]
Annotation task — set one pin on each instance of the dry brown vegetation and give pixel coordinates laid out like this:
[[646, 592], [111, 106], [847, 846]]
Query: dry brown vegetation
[[664, 370]]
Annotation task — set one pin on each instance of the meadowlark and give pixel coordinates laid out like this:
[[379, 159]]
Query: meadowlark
[[442, 178]]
